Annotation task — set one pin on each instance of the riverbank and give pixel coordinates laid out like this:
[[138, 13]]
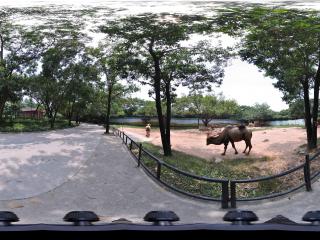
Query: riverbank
[[195, 122]]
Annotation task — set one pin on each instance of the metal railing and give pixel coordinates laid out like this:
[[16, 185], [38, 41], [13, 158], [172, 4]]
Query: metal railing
[[226, 191]]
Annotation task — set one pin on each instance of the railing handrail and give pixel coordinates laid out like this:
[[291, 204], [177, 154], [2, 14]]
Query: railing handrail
[[314, 156], [208, 179]]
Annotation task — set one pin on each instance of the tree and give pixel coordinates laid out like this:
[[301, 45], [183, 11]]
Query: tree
[[109, 60], [157, 57], [206, 108], [18, 53], [80, 79], [132, 105], [227, 108], [285, 45], [95, 110], [260, 112], [182, 106], [147, 111], [60, 50], [296, 109], [210, 107]]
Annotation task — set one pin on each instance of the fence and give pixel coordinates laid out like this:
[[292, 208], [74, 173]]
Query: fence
[[226, 191]]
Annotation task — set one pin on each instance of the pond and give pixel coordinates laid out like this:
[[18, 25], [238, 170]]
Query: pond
[[195, 121]]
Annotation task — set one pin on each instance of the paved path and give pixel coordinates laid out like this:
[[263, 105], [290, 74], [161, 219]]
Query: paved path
[[33, 163], [109, 183]]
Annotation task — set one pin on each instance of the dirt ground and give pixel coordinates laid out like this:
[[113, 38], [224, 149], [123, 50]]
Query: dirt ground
[[280, 145]]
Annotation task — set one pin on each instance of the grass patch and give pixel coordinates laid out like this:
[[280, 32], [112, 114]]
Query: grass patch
[[228, 169], [31, 125]]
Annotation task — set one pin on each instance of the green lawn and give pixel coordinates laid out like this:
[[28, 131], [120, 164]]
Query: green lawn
[[242, 168], [31, 125]]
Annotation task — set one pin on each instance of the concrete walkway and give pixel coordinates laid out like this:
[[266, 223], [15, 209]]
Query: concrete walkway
[[33, 163], [109, 183]]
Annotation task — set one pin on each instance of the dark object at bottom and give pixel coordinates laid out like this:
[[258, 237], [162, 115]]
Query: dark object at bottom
[[279, 219], [81, 218], [313, 217], [240, 217], [121, 220], [6, 218], [161, 217]]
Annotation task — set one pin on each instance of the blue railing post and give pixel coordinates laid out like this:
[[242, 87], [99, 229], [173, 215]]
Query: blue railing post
[[139, 155], [225, 194], [306, 171], [158, 170], [233, 195]]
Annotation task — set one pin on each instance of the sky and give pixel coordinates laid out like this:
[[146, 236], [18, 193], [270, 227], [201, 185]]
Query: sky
[[242, 82]]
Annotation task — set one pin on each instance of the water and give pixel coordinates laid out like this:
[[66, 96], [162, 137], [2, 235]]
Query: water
[[286, 122], [195, 121]]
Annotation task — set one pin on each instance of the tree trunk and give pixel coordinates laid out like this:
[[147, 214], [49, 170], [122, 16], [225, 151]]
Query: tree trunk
[[2, 104], [205, 121], [77, 118], [108, 108], [157, 90], [51, 115], [315, 109], [3, 100], [53, 119], [70, 114], [1, 48], [307, 114], [168, 120]]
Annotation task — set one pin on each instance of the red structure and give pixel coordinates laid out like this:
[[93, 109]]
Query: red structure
[[31, 113]]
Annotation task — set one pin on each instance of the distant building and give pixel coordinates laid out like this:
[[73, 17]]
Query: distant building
[[28, 112]]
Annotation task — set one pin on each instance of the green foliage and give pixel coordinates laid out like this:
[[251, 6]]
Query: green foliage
[[64, 80], [148, 109], [280, 42], [256, 112], [155, 55], [207, 107], [29, 125], [132, 105], [18, 54], [284, 43], [296, 109]]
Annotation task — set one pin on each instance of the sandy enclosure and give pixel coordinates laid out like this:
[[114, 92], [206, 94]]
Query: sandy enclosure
[[281, 145]]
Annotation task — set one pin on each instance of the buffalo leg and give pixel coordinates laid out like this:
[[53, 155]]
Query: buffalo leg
[[250, 146], [245, 148], [232, 143], [225, 148]]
